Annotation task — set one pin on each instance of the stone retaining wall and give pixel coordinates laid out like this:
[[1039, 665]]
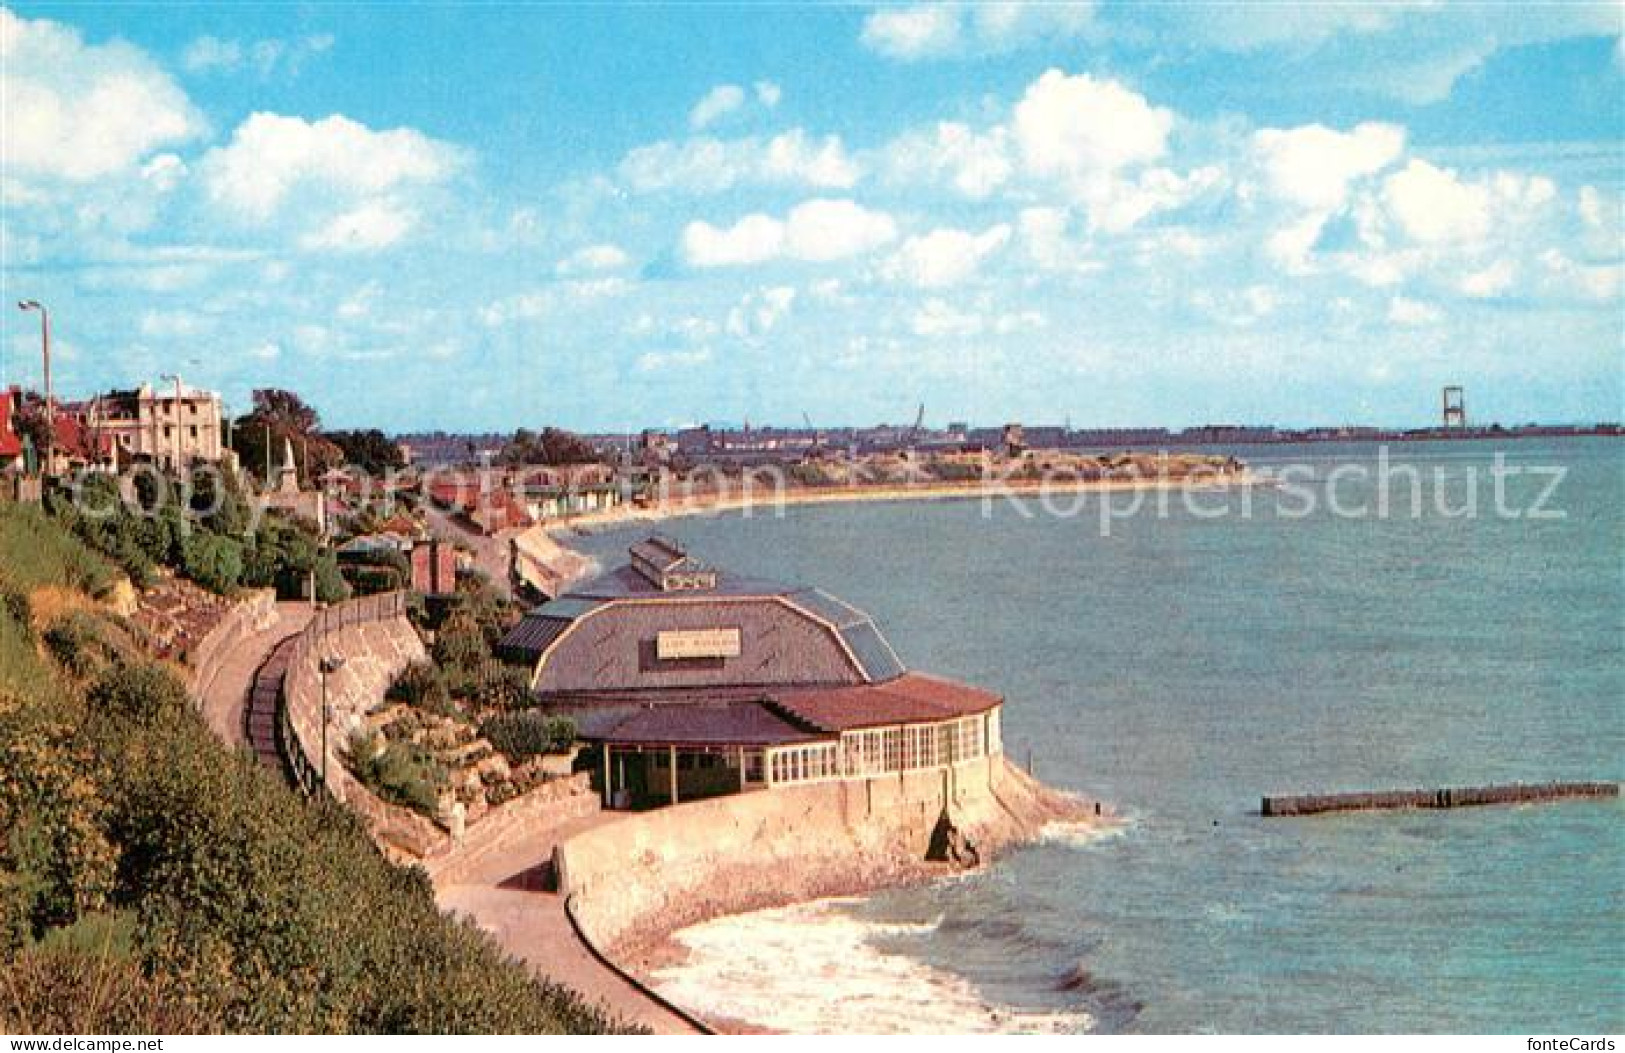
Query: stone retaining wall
[[376, 641], [252, 614], [635, 880]]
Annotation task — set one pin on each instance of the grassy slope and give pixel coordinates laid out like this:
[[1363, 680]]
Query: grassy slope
[[152, 881]]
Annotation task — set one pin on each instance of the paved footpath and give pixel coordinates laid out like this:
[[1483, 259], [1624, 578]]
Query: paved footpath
[[224, 698], [509, 896], [503, 894]]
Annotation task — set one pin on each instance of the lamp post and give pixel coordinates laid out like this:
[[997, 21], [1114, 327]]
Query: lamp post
[[328, 665], [50, 403]]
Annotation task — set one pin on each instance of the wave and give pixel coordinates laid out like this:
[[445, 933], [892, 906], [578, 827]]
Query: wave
[[1086, 833], [813, 968]]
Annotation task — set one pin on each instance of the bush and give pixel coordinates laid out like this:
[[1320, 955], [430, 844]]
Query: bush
[[141, 692], [402, 773], [420, 686], [254, 908], [75, 641], [214, 562], [524, 735], [503, 687]]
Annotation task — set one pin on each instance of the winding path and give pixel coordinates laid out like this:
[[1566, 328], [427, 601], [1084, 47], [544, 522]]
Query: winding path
[[224, 698], [506, 891], [510, 895]]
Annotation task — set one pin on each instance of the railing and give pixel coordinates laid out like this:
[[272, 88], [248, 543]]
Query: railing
[[366, 610]]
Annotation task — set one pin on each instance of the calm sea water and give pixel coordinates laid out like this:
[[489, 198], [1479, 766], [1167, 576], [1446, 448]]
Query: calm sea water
[[1182, 667]]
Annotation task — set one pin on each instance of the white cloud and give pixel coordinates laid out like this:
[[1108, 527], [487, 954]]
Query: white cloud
[[658, 361], [758, 313], [1595, 282], [1291, 245], [169, 325], [266, 351], [1403, 310], [704, 165], [1115, 204], [817, 231], [1433, 206], [717, 103], [913, 32], [756, 238], [368, 227], [79, 111], [831, 229], [1312, 165], [945, 256], [768, 93], [793, 157], [270, 156], [939, 318], [975, 164], [359, 304], [1491, 281], [593, 258], [1076, 126], [936, 30]]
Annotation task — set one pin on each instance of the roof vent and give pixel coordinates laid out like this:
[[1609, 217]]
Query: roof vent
[[667, 566]]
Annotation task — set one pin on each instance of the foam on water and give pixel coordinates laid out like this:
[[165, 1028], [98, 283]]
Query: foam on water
[[1079, 834], [815, 968]]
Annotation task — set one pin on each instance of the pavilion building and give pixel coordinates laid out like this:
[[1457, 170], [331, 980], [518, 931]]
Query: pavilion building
[[693, 682]]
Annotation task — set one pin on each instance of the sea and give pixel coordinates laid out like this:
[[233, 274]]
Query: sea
[[1180, 662]]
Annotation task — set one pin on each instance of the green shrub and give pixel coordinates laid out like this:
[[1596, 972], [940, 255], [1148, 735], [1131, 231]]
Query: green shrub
[[212, 561], [503, 687], [255, 909], [142, 692], [524, 735], [402, 772], [421, 686]]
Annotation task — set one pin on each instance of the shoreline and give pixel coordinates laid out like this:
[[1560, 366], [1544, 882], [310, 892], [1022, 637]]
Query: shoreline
[[1017, 810], [785, 497], [804, 846]]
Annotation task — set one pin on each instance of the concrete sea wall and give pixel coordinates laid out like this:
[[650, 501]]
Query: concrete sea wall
[[636, 880]]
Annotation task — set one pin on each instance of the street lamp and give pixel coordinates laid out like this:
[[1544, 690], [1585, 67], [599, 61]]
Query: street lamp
[[50, 403], [327, 666]]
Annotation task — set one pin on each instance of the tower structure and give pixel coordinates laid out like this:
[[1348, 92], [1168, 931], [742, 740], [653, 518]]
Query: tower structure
[[1454, 404]]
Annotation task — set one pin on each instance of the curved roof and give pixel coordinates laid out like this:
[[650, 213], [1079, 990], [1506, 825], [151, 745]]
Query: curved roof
[[861, 638]]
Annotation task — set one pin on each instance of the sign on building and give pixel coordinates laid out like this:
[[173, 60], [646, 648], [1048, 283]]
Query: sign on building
[[697, 643]]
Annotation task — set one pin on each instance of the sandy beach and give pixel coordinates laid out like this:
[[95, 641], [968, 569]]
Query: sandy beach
[[765, 501]]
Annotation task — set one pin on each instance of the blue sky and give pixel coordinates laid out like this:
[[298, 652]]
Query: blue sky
[[606, 217]]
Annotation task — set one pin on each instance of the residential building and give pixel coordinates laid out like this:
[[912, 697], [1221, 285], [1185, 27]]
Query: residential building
[[173, 426]]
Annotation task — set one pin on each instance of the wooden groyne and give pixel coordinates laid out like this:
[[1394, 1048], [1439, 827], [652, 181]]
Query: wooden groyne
[[1455, 797]]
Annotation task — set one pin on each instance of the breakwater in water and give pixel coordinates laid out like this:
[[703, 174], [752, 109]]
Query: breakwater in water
[[1451, 797]]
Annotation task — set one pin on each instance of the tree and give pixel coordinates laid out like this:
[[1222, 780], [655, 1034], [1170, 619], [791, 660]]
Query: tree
[[283, 417], [552, 446], [372, 451]]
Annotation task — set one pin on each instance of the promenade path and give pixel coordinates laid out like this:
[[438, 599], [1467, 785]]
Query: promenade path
[[508, 893], [224, 698], [505, 892]]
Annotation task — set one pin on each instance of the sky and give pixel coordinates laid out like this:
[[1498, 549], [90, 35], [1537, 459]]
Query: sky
[[607, 217]]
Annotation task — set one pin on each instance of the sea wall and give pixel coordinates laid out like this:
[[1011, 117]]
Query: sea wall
[[634, 881], [253, 613], [545, 565]]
